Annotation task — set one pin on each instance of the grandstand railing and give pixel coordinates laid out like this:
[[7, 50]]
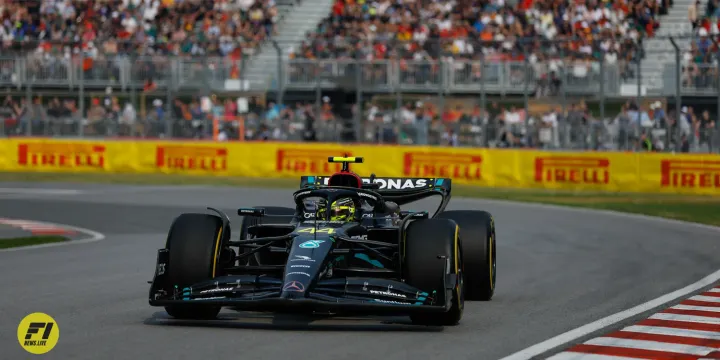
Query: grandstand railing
[[697, 79], [433, 76], [455, 76], [215, 73]]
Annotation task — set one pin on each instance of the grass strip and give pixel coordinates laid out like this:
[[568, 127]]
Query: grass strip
[[30, 240]]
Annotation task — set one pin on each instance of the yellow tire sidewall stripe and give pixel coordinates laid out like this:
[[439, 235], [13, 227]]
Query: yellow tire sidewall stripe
[[217, 251]]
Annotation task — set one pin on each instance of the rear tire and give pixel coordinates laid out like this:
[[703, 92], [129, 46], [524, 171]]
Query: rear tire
[[193, 243], [477, 232], [426, 241], [265, 257]]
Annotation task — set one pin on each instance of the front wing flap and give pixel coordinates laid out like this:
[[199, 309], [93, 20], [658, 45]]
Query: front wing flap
[[262, 293]]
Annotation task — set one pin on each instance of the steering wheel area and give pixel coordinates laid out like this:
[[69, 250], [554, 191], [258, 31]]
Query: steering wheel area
[[331, 194]]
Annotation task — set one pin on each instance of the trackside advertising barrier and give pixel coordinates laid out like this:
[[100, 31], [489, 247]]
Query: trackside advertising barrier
[[597, 171]]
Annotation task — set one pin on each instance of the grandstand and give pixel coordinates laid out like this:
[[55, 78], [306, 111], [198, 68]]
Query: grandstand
[[428, 71], [621, 33]]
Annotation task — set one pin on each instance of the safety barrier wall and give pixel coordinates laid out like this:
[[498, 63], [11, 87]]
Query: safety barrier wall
[[597, 171]]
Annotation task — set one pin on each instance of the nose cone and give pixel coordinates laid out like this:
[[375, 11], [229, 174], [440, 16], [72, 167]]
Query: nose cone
[[305, 262]]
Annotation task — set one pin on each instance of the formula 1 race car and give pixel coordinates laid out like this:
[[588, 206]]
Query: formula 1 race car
[[346, 248]]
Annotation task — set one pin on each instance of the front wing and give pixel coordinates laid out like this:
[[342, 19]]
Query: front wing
[[352, 295]]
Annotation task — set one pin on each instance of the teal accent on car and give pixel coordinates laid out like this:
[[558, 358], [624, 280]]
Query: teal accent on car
[[364, 257]]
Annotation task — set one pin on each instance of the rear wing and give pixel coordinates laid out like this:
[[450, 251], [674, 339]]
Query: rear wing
[[399, 190]]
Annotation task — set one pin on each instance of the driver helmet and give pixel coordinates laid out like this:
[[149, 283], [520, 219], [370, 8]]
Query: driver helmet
[[340, 210]]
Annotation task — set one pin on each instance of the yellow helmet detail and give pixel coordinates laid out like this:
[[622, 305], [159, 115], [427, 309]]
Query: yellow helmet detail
[[340, 210]]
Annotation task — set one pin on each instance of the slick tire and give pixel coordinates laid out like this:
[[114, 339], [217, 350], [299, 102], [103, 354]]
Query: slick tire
[[193, 243], [265, 257], [477, 232], [428, 245]]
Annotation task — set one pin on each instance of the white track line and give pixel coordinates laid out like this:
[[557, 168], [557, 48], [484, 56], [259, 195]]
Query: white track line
[[658, 330], [582, 356], [686, 318], [651, 345], [93, 236], [712, 299], [714, 290], [571, 335], [698, 308]]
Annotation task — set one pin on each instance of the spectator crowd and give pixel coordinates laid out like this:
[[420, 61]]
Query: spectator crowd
[[551, 32], [171, 27], [701, 61], [55, 32], [635, 127], [555, 36]]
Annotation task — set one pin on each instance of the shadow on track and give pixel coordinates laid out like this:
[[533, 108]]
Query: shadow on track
[[261, 321]]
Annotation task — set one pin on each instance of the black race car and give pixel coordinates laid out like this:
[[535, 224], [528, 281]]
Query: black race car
[[375, 260]]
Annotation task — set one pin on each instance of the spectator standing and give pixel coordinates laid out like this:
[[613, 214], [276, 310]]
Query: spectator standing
[[41, 122], [7, 116], [693, 14], [706, 131], [423, 118], [128, 119]]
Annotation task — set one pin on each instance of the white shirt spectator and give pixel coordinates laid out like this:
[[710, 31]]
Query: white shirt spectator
[[611, 58], [407, 116], [550, 119], [245, 4], [580, 70], [129, 115], [130, 24], [512, 117]]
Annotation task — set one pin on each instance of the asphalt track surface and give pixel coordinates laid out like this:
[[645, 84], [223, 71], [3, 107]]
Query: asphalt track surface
[[558, 269]]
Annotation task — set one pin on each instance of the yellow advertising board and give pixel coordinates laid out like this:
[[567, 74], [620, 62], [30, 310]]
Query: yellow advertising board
[[507, 168]]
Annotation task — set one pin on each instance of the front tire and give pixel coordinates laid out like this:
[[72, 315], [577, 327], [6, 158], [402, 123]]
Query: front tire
[[193, 243], [477, 232], [428, 245]]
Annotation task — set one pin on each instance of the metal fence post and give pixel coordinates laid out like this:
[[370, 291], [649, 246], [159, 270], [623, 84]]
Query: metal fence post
[[563, 82], [483, 92], [28, 99], [526, 89], [639, 78], [81, 97], [358, 99], [318, 86], [678, 76], [441, 80], [169, 95], [280, 73], [602, 89]]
